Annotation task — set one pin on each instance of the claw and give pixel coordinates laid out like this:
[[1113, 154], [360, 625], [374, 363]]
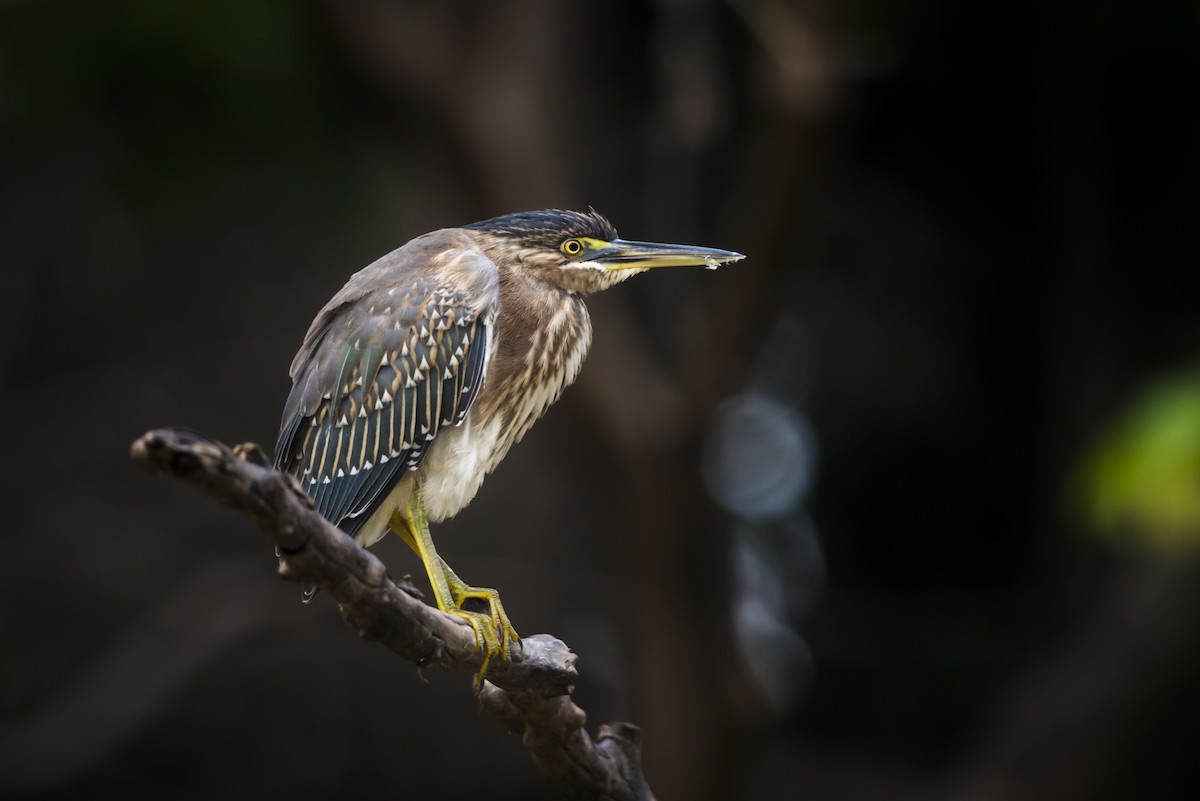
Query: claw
[[485, 638], [494, 633]]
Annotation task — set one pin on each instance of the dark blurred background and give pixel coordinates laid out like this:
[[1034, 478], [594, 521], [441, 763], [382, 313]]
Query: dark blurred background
[[907, 504]]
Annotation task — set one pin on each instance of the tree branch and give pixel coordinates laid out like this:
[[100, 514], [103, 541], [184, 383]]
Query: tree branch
[[529, 693]]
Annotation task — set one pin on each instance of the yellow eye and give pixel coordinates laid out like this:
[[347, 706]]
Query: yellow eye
[[572, 247]]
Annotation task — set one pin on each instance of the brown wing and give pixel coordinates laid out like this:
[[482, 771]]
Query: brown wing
[[397, 355]]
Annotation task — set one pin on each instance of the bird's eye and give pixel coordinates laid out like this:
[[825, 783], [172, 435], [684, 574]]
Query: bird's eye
[[572, 247]]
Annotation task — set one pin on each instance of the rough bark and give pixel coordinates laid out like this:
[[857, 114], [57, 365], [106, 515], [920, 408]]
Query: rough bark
[[529, 693]]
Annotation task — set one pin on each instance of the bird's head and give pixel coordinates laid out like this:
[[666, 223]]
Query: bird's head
[[581, 252]]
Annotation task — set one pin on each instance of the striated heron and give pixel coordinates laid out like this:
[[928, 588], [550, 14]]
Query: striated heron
[[418, 376]]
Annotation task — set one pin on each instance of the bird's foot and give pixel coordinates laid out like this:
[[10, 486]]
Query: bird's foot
[[494, 632]]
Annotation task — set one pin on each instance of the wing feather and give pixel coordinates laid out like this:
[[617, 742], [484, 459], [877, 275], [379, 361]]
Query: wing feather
[[396, 356]]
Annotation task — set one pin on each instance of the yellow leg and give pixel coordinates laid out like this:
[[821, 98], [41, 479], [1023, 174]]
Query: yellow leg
[[493, 631]]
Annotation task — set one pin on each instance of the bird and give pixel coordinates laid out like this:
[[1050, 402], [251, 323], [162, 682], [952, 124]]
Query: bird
[[418, 376]]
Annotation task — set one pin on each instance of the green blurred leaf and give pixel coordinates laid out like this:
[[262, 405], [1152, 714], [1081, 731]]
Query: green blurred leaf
[[1143, 481]]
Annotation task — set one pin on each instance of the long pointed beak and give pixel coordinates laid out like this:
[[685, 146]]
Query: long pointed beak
[[621, 254]]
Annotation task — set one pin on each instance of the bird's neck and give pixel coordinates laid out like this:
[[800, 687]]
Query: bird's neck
[[543, 339]]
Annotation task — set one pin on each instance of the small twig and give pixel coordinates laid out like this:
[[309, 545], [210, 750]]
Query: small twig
[[529, 693]]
